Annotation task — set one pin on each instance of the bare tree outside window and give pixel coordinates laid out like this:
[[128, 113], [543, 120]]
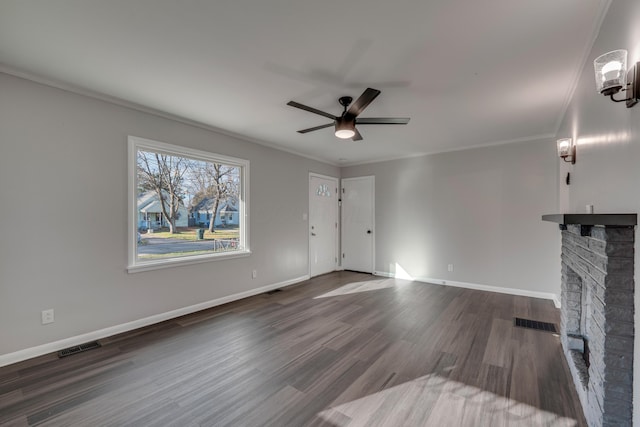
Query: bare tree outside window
[[216, 184], [164, 175]]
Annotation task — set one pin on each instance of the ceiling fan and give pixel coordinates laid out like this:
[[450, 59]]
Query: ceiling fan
[[345, 124]]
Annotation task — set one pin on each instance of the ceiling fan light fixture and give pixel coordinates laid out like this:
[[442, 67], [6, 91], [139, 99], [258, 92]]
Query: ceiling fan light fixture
[[345, 129]]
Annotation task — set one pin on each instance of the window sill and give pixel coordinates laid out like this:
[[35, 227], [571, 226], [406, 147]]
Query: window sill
[[177, 262]]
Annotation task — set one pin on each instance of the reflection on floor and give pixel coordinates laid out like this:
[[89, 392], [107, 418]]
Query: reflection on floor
[[364, 286], [433, 400]]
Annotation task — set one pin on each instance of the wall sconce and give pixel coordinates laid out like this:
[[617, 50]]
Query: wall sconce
[[567, 150], [612, 76]]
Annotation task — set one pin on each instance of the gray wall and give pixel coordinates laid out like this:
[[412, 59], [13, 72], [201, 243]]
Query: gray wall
[[478, 209], [63, 233], [607, 170]]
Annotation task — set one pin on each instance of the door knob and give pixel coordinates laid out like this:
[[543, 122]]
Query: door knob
[[313, 234], [368, 231]]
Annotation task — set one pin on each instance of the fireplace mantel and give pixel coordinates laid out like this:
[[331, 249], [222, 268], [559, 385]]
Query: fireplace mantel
[[613, 219]]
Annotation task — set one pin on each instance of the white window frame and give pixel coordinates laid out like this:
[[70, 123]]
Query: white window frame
[[136, 265]]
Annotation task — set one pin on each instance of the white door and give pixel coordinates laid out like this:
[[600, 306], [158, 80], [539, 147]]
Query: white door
[[323, 224], [358, 223]]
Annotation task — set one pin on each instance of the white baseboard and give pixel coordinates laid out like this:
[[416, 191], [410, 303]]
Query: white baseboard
[[28, 353], [510, 291]]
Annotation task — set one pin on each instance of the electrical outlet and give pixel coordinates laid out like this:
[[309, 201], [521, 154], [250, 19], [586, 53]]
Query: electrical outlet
[[47, 316], [254, 274], [450, 267]]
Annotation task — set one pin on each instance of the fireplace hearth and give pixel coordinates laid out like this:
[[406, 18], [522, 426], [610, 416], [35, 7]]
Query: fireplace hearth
[[597, 312]]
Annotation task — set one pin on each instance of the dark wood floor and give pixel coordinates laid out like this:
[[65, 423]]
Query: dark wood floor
[[344, 349]]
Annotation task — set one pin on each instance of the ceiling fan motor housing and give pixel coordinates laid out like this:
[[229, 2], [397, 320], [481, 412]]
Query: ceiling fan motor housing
[[345, 101]]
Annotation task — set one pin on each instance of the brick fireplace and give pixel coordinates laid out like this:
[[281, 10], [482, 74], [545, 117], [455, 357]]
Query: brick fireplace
[[597, 313]]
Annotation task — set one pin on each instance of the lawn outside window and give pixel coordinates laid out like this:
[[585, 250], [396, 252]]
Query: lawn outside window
[[185, 206]]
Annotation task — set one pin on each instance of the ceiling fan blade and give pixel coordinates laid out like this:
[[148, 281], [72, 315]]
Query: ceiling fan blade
[[315, 128], [357, 136], [383, 121], [311, 110], [361, 103]]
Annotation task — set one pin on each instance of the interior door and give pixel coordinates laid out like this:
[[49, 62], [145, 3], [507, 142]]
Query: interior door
[[323, 224], [358, 223]]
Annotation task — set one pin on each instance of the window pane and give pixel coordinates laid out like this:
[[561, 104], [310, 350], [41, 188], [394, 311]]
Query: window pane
[[185, 205]]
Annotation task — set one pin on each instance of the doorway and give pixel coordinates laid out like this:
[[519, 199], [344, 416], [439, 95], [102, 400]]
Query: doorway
[[358, 221], [323, 224]]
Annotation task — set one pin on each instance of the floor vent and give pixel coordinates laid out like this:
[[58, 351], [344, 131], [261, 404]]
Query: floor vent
[[534, 324], [275, 291], [78, 349]]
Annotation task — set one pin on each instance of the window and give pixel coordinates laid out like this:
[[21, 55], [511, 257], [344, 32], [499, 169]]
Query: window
[[170, 187]]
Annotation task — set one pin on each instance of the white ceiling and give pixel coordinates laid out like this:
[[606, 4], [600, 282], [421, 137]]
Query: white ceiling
[[468, 73]]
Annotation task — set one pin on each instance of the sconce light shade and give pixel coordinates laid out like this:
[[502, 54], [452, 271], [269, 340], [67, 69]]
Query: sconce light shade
[[612, 77], [567, 150], [611, 70], [345, 129]]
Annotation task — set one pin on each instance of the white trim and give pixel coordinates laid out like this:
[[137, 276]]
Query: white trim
[[336, 236], [488, 288], [178, 150], [373, 222], [187, 260], [136, 143], [28, 353], [57, 84], [47, 81], [540, 137], [577, 74]]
